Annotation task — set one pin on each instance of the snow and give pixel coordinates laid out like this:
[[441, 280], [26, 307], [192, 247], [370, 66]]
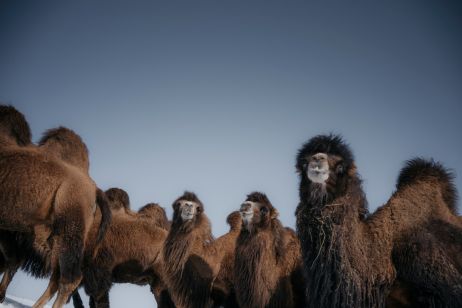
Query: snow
[[17, 302]]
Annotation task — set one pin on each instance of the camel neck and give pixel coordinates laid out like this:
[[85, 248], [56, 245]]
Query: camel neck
[[255, 254], [333, 247]]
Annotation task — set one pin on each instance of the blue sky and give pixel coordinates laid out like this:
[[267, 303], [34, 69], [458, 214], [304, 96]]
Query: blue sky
[[217, 96]]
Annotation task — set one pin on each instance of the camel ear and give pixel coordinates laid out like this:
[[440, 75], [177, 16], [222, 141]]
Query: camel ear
[[300, 167], [352, 170], [274, 214], [340, 169]]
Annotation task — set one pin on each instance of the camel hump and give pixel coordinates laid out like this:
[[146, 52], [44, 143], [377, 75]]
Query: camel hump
[[234, 220], [420, 169], [156, 214], [14, 125], [66, 145]]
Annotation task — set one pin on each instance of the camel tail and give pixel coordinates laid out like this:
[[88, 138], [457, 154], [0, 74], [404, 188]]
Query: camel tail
[[420, 169]]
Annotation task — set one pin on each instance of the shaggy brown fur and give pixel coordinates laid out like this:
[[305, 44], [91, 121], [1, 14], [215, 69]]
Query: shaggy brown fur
[[192, 258], [66, 145], [14, 128], [156, 214], [429, 267], [223, 292], [347, 255], [267, 258], [119, 200], [129, 253], [39, 192], [428, 257]]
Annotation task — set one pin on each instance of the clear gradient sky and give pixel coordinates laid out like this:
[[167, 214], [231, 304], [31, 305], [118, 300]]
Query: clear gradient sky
[[217, 96]]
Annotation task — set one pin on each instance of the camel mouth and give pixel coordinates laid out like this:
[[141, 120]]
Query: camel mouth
[[187, 216], [318, 174], [246, 214], [246, 211], [247, 217], [188, 210]]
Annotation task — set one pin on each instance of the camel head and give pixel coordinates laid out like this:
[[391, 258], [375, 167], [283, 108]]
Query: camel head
[[257, 212], [188, 208], [324, 163]]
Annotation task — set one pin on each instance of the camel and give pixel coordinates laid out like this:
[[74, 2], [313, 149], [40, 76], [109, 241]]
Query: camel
[[50, 198], [267, 266], [352, 258], [193, 259]]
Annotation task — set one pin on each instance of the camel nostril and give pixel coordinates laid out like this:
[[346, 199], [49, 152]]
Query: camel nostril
[[245, 207]]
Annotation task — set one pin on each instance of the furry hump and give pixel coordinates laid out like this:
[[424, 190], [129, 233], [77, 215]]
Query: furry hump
[[420, 169], [68, 145], [156, 214], [328, 144], [118, 198], [234, 220], [13, 123]]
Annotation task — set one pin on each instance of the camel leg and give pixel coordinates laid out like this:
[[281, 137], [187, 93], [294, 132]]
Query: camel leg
[[49, 292], [54, 279], [155, 289], [102, 300], [77, 300], [65, 291], [6, 280], [92, 302], [10, 255], [161, 295], [70, 228]]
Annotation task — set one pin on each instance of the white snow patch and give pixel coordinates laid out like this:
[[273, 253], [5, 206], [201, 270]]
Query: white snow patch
[[17, 302]]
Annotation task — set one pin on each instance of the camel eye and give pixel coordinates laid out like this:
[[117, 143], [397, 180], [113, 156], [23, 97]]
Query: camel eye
[[340, 169], [264, 210]]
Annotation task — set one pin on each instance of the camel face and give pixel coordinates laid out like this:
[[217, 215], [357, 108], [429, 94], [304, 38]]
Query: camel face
[[247, 211], [188, 209], [318, 168], [257, 211]]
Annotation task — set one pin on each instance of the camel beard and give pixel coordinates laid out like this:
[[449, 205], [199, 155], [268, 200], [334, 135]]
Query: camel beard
[[318, 194]]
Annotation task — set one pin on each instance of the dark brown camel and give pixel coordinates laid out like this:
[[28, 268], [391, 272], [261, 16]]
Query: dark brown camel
[[353, 259]]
